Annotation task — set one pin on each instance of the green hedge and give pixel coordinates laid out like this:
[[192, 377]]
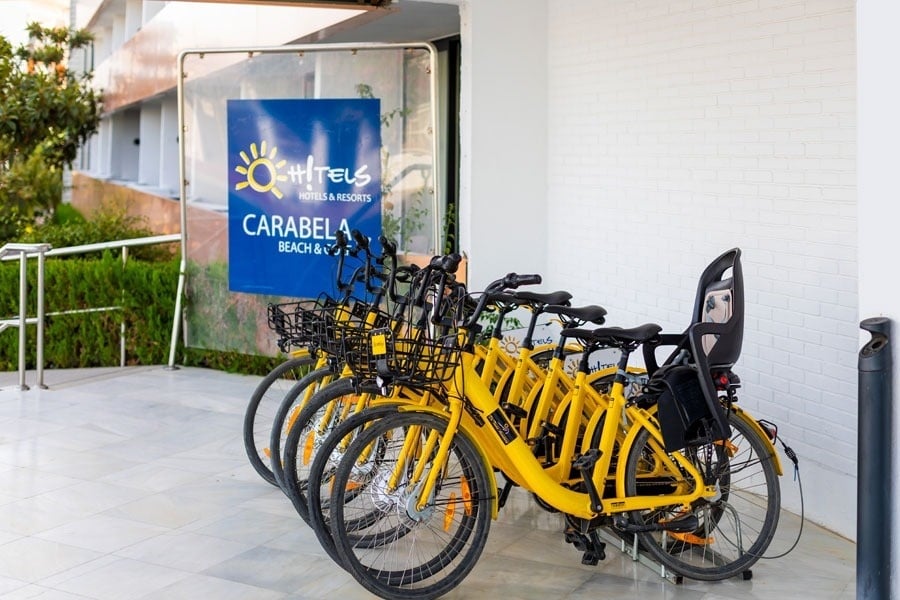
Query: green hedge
[[144, 290]]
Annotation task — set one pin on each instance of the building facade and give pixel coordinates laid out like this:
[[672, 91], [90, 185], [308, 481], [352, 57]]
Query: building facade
[[617, 147]]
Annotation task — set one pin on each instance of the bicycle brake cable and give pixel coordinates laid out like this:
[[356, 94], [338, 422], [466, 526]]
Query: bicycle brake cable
[[789, 452]]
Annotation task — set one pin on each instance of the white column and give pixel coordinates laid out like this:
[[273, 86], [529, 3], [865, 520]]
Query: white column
[[878, 164], [134, 16], [118, 32], [503, 137], [125, 142], [101, 163], [149, 150], [168, 162]]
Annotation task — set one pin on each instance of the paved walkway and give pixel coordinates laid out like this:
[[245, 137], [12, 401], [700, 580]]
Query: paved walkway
[[133, 483]]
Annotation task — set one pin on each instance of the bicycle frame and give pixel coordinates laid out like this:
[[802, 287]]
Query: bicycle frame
[[486, 423]]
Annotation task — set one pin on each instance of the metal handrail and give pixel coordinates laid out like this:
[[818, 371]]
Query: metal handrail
[[22, 252], [85, 248]]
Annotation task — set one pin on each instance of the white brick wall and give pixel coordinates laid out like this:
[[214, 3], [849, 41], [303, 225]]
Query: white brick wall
[[679, 129]]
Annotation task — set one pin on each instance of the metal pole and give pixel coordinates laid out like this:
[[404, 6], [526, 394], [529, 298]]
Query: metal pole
[[40, 321], [873, 483], [122, 325], [176, 321], [23, 315], [182, 196]]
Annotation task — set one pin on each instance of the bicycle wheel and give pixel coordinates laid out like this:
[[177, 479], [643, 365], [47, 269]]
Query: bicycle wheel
[[410, 551], [321, 472], [288, 412], [309, 430], [260, 412], [734, 530]]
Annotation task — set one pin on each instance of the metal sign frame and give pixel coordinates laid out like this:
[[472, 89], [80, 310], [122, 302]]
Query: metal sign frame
[[288, 49]]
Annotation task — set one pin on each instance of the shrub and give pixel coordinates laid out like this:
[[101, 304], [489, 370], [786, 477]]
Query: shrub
[[109, 223], [145, 291]]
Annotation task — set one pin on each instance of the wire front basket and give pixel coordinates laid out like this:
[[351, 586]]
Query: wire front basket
[[296, 322], [411, 358], [324, 325]]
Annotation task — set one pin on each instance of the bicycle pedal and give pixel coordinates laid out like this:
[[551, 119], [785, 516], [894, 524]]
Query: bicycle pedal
[[587, 460], [576, 539], [514, 410], [550, 428], [585, 465]]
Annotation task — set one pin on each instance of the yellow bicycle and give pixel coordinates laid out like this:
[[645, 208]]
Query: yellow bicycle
[[413, 494]]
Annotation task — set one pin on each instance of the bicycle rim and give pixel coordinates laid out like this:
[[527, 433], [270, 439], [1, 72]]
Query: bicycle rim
[[321, 472], [289, 411], [261, 409], [324, 411], [734, 530], [410, 551]]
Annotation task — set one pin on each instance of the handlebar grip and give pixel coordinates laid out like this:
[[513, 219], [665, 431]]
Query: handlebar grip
[[406, 273], [530, 279], [450, 262], [340, 242], [388, 247], [514, 280], [361, 240]]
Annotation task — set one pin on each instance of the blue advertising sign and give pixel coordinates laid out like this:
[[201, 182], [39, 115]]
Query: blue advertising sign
[[298, 171]]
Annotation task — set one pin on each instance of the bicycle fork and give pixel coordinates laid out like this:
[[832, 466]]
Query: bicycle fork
[[429, 457]]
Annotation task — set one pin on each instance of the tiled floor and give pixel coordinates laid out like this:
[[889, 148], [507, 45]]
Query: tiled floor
[[133, 483]]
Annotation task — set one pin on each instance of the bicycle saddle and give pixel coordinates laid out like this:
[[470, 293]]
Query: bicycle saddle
[[614, 336], [587, 314]]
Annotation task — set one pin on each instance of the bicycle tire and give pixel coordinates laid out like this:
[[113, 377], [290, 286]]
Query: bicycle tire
[[302, 443], [321, 473], [288, 411], [261, 408], [442, 557], [735, 529]]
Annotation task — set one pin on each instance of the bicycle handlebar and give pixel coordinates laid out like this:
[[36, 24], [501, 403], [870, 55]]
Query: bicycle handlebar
[[388, 247], [361, 240], [450, 263], [510, 282], [340, 243]]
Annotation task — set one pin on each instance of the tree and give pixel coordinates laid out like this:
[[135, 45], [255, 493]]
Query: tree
[[47, 112]]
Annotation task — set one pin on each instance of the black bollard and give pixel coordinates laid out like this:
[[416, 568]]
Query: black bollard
[[873, 483]]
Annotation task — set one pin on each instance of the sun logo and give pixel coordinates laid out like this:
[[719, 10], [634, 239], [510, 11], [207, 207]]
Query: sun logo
[[265, 161], [511, 344]]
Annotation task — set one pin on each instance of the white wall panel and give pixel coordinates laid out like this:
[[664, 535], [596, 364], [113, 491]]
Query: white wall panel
[[680, 129]]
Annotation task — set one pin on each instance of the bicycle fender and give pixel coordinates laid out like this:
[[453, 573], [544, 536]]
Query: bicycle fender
[[441, 413], [770, 446], [302, 353]]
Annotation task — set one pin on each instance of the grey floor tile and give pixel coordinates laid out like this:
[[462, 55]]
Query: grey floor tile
[[122, 579], [38, 592], [150, 477], [134, 483], [23, 483], [251, 526], [193, 587], [9, 584], [34, 515], [273, 569], [32, 559], [164, 509], [102, 533], [187, 551]]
